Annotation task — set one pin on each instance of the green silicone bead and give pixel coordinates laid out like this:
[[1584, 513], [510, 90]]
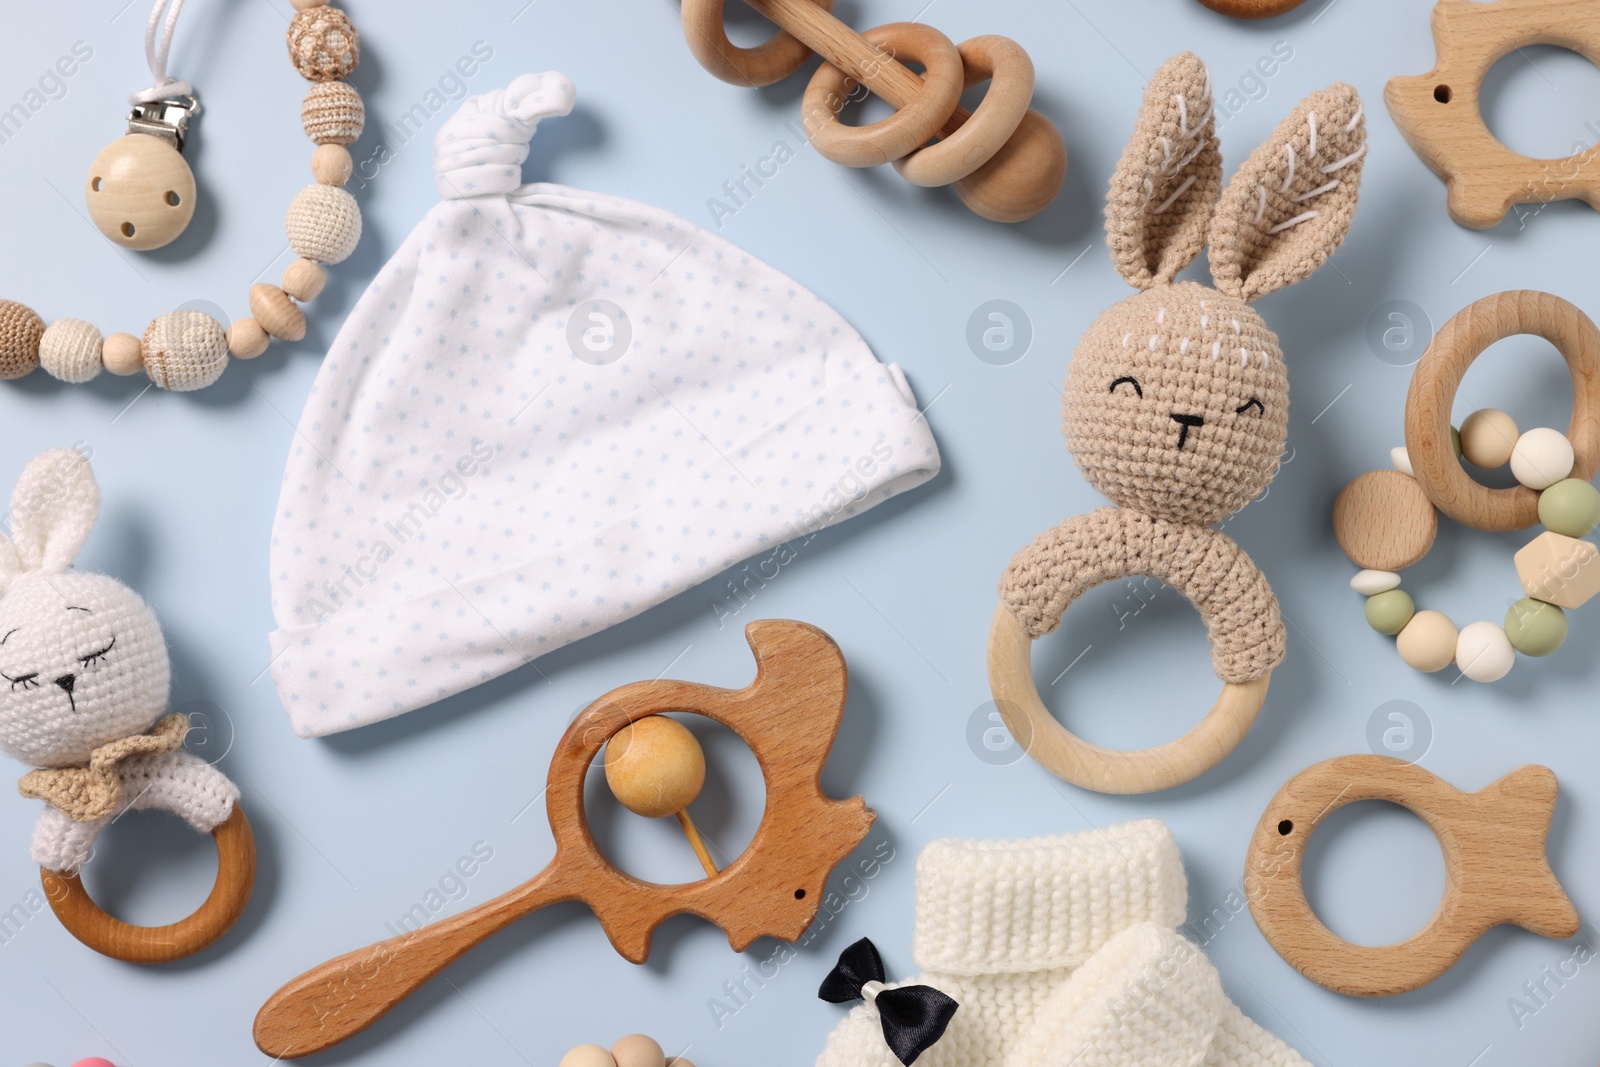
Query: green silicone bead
[[1536, 628], [1455, 440], [1389, 611], [1571, 507]]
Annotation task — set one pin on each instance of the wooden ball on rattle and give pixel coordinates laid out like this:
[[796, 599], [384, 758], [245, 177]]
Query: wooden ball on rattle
[[656, 768]]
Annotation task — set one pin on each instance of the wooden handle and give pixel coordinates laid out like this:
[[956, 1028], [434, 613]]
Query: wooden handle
[[344, 996]]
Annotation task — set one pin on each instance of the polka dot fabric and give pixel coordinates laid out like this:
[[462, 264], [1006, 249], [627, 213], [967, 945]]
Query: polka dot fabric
[[552, 410]]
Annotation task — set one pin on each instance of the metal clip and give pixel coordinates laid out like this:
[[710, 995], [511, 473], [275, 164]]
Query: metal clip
[[166, 119]]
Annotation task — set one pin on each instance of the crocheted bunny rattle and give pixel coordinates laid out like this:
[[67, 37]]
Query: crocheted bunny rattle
[[1176, 408], [84, 678]]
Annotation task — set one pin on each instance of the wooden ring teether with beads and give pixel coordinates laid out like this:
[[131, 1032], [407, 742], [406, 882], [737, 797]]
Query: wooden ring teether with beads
[[141, 194], [110, 936], [1386, 520], [1007, 162], [1496, 870], [1439, 112], [789, 716]]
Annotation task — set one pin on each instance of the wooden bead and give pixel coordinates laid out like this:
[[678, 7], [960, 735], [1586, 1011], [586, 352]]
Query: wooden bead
[[246, 339], [185, 351], [333, 113], [323, 44], [331, 164], [303, 280], [1384, 521], [588, 1056], [70, 351], [1559, 570], [1484, 652], [1428, 642], [141, 192], [637, 1050], [1542, 457], [655, 766], [276, 313], [21, 330], [324, 224], [1487, 438], [123, 354]]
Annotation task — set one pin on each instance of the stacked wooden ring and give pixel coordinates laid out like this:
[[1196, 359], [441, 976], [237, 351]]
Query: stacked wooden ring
[[186, 350], [635, 1050], [1006, 161], [1387, 520]]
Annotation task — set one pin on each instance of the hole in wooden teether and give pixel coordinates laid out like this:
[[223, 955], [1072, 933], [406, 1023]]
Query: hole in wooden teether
[[1285, 827], [799, 894], [95, 185], [1441, 93], [150, 869], [1524, 376], [1373, 872], [127, 229], [1537, 101], [726, 813], [173, 199]]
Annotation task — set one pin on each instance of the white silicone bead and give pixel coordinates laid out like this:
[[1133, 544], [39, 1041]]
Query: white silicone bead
[[70, 351], [1371, 583], [1542, 458], [1400, 459], [1484, 652]]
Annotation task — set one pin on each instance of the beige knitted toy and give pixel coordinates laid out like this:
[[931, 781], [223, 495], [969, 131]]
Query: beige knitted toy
[[1064, 952], [84, 676], [1176, 401]]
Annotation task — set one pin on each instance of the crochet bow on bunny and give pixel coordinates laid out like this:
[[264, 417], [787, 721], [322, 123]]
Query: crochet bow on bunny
[[86, 675], [1177, 398]]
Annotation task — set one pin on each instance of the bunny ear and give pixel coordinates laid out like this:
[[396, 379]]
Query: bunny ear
[[53, 508], [1291, 203], [1168, 178]]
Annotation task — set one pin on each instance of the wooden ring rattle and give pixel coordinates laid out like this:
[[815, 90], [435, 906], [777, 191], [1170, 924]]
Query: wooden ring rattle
[[1007, 162], [1496, 870], [789, 716], [110, 936], [1439, 114], [1106, 770]]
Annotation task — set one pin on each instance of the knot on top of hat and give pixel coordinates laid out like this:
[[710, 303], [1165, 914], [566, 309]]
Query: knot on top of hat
[[480, 150]]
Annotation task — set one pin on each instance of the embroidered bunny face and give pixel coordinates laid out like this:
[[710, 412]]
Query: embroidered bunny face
[[1177, 398], [82, 663], [82, 658]]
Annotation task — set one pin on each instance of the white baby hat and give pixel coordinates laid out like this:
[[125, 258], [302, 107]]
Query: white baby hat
[[552, 410], [1064, 952]]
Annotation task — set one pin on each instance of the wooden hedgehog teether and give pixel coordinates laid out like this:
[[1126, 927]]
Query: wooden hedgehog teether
[[1007, 162], [788, 716], [1176, 407]]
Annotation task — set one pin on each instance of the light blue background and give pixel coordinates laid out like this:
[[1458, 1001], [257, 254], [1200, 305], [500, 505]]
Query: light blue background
[[355, 830]]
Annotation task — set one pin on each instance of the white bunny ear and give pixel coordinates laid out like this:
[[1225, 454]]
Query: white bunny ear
[[1292, 202], [53, 508], [1168, 178]]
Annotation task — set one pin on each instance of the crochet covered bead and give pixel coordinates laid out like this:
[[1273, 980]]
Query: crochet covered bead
[[185, 350], [332, 113], [20, 332], [323, 44], [324, 224], [70, 351]]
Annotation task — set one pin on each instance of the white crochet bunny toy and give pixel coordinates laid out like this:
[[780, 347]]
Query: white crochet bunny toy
[[84, 676]]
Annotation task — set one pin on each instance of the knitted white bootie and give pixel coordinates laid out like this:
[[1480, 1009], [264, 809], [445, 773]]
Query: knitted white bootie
[[1064, 951]]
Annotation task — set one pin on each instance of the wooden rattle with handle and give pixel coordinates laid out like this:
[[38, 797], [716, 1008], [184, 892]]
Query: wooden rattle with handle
[[1006, 160], [789, 716]]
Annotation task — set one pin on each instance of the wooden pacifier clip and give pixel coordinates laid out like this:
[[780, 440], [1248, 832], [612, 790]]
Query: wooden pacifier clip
[[1496, 870], [1386, 520], [789, 716]]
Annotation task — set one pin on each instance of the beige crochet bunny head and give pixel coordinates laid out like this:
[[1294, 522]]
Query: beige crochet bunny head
[[1177, 398], [82, 658]]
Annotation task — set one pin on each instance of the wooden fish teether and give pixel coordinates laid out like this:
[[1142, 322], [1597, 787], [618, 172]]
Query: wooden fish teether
[[1496, 870], [1006, 161], [788, 716]]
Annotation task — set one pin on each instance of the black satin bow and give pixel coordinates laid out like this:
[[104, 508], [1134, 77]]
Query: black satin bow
[[913, 1016]]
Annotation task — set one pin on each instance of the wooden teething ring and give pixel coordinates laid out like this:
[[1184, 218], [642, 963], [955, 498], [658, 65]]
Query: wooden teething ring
[[1439, 115], [1007, 167], [1106, 770], [110, 936], [1438, 376]]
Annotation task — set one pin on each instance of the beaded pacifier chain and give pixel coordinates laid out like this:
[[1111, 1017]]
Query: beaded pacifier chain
[[141, 194]]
